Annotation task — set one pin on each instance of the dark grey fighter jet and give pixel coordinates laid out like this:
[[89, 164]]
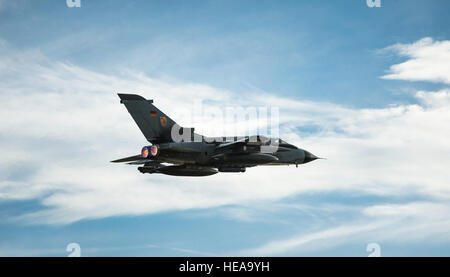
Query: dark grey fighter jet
[[181, 152]]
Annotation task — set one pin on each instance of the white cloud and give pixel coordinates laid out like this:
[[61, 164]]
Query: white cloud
[[62, 123], [428, 60], [399, 223], [413, 140]]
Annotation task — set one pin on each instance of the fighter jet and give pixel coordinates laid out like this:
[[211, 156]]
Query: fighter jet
[[180, 151]]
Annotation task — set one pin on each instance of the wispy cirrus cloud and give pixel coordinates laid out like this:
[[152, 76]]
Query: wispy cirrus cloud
[[398, 223], [64, 123]]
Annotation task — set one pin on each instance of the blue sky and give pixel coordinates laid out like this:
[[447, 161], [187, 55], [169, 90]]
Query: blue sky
[[368, 88]]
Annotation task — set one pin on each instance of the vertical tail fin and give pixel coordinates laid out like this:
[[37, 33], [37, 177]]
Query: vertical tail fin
[[154, 124]]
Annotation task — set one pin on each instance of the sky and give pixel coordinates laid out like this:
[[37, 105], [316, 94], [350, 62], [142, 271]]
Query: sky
[[367, 88]]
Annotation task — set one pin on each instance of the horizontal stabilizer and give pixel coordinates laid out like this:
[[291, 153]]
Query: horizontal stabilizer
[[129, 159], [147, 162]]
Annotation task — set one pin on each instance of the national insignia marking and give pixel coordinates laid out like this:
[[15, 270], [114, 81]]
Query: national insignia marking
[[163, 121]]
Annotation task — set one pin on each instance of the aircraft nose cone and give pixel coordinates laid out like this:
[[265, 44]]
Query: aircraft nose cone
[[309, 157]]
